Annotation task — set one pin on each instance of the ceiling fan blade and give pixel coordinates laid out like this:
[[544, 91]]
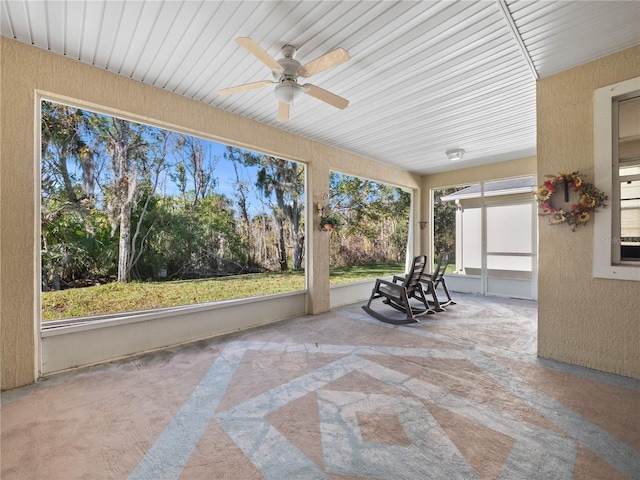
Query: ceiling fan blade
[[245, 87], [325, 96], [283, 111], [259, 53], [325, 62]]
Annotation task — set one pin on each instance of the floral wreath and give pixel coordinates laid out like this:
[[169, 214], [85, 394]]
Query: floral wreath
[[590, 198]]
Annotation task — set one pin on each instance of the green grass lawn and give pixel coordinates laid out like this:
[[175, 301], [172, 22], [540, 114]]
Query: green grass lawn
[[355, 273], [123, 297]]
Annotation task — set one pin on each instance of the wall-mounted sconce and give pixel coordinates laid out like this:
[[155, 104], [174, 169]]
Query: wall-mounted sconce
[[455, 154], [327, 222], [323, 206], [423, 224]]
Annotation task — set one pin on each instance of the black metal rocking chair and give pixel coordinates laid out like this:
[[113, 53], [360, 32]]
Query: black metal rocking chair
[[431, 281], [398, 294]]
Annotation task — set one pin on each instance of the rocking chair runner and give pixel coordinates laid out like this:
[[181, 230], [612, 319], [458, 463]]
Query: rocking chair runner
[[431, 281], [399, 292]]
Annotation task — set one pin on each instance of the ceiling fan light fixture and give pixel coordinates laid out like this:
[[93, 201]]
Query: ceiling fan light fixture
[[288, 91], [455, 154]]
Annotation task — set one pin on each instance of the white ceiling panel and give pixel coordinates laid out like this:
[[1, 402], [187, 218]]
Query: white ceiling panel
[[563, 34], [424, 76]]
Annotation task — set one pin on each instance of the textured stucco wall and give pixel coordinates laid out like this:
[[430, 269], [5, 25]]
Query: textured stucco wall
[[26, 71], [582, 320]]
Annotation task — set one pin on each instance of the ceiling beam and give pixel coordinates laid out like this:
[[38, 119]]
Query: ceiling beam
[[516, 34]]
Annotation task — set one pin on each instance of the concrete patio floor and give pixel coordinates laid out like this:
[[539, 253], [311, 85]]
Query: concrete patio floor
[[337, 396]]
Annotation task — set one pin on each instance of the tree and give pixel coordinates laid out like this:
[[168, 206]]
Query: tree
[[63, 130], [151, 166], [238, 158], [285, 180], [374, 220], [136, 155], [195, 167], [444, 223], [195, 240], [65, 202], [282, 180]]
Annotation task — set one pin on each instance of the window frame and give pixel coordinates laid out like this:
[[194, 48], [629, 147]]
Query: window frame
[[606, 261]]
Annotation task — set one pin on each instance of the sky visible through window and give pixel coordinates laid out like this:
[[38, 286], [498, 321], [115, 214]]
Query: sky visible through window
[[224, 174]]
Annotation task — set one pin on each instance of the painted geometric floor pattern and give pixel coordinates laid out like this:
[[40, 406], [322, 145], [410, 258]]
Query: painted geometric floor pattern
[[340, 396]]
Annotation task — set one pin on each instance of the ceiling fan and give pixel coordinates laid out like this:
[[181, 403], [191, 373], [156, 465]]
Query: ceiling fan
[[286, 72]]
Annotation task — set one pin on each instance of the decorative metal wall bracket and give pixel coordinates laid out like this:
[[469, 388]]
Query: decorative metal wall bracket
[[327, 221], [323, 206]]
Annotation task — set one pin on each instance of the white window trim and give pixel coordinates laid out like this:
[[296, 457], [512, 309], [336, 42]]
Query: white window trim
[[603, 266]]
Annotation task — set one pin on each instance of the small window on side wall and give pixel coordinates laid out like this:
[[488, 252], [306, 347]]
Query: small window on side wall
[[626, 191], [617, 172]]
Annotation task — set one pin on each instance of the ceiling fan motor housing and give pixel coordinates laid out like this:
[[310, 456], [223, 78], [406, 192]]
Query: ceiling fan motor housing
[[290, 68], [288, 90]]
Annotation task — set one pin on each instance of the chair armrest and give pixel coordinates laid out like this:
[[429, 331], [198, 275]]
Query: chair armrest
[[395, 287], [388, 283]]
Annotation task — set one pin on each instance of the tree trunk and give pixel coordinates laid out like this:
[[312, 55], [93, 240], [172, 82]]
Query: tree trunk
[[244, 213], [124, 189], [297, 236], [124, 244], [284, 266]]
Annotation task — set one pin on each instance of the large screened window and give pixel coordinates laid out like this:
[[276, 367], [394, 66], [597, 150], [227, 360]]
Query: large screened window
[[371, 236], [134, 217], [617, 173], [448, 225]]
